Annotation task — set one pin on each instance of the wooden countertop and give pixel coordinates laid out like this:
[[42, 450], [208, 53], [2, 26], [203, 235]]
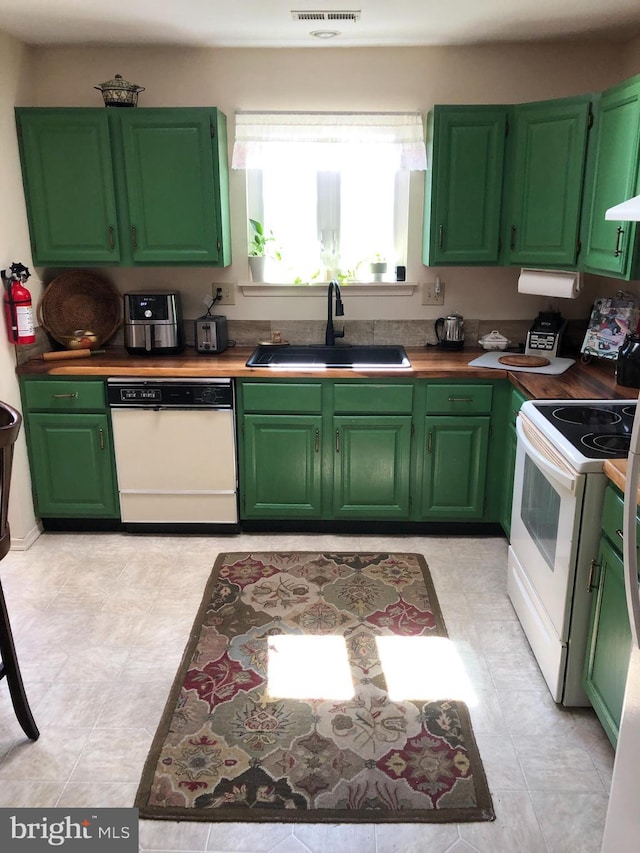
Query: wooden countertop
[[580, 381]]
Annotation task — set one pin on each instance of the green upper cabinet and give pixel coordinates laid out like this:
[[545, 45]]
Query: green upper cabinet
[[547, 155], [135, 187], [68, 181], [464, 185], [612, 247], [174, 187]]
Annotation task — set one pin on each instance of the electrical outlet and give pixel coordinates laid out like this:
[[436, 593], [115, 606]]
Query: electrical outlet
[[227, 292], [433, 292]]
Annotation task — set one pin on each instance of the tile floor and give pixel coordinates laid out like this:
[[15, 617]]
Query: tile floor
[[100, 621]]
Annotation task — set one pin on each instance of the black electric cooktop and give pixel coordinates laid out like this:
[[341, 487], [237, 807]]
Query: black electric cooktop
[[597, 430]]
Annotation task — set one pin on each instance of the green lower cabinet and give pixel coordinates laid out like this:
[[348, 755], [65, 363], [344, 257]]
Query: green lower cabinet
[[609, 645], [371, 470], [282, 469], [72, 466], [455, 467]]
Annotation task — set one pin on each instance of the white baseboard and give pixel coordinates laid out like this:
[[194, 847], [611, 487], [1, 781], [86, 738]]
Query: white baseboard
[[27, 541]]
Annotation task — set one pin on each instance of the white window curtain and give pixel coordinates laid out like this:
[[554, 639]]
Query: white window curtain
[[333, 142]]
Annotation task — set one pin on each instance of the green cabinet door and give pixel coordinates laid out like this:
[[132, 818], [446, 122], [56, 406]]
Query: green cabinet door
[[611, 247], [609, 644], [371, 466], [547, 156], [69, 185], [172, 185], [463, 187], [281, 466], [455, 465], [71, 465]]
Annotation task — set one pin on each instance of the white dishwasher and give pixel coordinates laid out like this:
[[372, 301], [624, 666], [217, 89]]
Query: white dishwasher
[[175, 450]]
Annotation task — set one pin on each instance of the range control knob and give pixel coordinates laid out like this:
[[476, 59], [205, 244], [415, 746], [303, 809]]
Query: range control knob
[[148, 313]]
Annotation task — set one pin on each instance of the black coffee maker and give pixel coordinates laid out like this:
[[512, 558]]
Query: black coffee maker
[[628, 363]]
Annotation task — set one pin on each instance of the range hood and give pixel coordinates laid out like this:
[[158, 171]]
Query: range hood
[[626, 211]]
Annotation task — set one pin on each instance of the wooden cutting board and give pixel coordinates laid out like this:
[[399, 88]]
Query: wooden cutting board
[[524, 360]]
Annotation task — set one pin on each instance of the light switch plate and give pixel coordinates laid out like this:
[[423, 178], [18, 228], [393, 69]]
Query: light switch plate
[[433, 292]]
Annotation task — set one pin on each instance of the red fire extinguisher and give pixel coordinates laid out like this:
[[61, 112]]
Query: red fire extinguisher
[[18, 309]]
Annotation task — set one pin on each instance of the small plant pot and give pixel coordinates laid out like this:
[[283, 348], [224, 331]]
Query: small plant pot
[[378, 271], [256, 267]]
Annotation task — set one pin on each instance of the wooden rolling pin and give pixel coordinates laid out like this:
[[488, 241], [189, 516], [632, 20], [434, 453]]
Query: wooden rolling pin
[[70, 353]]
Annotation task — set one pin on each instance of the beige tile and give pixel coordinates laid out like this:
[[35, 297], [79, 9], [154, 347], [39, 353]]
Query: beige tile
[[408, 333], [500, 762], [112, 755], [412, 838], [533, 713], [96, 663], [171, 835], [515, 829], [571, 821], [553, 764], [26, 794], [128, 701], [338, 838], [110, 795], [75, 703], [49, 759], [247, 837]]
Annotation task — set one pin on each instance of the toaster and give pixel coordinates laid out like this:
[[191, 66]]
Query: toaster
[[211, 334]]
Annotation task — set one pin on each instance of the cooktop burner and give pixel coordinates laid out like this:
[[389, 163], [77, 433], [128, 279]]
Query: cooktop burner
[[597, 430]]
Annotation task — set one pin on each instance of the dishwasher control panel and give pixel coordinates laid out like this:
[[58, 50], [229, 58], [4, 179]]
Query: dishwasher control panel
[[170, 393]]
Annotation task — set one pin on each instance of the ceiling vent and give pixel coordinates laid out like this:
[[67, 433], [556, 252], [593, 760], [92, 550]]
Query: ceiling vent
[[324, 16]]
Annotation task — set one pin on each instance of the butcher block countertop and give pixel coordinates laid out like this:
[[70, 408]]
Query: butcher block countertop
[[580, 381]]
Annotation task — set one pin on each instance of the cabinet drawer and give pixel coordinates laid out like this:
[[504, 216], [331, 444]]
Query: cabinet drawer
[[64, 395], [459, 399], [612, 512], [370, 398], [282, 397]]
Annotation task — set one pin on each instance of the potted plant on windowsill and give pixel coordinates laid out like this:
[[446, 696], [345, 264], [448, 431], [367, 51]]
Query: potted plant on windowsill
[[259, 249], [378, 267]]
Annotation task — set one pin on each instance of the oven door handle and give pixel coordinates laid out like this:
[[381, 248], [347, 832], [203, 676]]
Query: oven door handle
[[563, 477]]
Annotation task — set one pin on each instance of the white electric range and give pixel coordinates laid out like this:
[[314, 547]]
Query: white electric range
[[559, 487]]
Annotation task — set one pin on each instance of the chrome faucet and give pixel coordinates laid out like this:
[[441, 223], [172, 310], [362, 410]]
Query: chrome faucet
[[331, 334]]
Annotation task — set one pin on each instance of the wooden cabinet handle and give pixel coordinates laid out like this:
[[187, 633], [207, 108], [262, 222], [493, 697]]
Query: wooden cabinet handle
[[618, 251], [592, 568]]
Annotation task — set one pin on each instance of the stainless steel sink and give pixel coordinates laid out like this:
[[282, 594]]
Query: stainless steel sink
[[389, 357]]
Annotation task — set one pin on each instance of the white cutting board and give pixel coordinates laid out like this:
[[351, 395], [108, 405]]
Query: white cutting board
[[491, 359]]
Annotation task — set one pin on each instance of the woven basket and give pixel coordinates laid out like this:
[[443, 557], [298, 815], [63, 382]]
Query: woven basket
[[80, 300]]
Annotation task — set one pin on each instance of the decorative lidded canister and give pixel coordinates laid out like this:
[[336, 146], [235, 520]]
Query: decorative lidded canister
[[119, 93]]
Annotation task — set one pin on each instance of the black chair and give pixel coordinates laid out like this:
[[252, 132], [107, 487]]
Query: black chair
[[10, 421]]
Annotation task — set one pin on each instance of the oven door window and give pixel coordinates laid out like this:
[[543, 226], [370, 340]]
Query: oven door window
[[540, 511]]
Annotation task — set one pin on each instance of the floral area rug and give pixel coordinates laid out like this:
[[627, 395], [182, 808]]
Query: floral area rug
[[316, 687]]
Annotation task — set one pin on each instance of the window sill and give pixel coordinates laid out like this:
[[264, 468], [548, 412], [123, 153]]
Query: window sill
[[356, 288]]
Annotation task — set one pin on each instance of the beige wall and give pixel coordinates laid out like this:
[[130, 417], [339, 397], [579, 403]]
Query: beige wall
[[15, 86], [338, 79]]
